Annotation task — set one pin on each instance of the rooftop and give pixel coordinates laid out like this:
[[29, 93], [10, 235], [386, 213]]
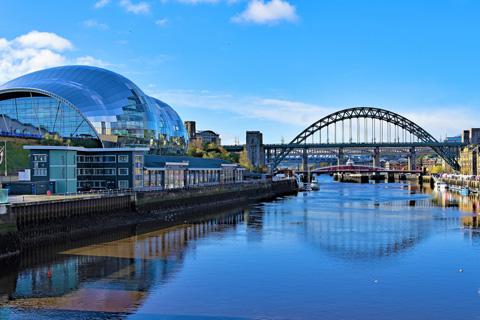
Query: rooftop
[[68, 148], [156, 161]]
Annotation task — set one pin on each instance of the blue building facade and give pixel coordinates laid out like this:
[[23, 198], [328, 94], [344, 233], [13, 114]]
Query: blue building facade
[[74, 169], [85, 103]]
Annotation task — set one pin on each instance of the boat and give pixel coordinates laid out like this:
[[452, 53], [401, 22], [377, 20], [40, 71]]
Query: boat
[[302, 186], [314, 184], [306, 187]]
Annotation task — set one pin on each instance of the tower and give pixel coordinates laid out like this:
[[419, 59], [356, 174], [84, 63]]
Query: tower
[[254, 147]]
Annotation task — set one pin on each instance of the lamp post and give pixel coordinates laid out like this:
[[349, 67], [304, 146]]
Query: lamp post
[[5, 155]]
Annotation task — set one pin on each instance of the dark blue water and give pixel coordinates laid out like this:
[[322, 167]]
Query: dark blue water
[[348, 251]]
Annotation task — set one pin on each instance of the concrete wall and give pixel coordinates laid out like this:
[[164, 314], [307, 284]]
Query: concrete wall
[[34, 224]]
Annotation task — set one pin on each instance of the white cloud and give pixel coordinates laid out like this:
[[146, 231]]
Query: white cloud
[[43, 40], [91, 61], [278, 110], [161, 22], [101, 3], [35, 51], [198, 1], [94, 24], [136, 8], [438, 121], [269, 12], [294, 116], [195, 2]]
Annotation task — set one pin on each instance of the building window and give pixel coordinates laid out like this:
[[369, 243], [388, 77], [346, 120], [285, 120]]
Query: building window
[[123, 171], [40, 172], [40, 157], [96, 171], [110, 159], [97, 159], [123, 158], [138, 171], [123, 184]]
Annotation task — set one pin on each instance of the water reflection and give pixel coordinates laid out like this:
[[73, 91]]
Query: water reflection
[[272, 260], [114, 276]]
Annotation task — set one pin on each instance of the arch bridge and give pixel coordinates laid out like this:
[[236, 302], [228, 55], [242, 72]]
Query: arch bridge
[[373, 130]]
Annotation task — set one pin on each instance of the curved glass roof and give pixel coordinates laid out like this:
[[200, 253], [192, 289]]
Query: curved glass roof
[[105, 96]]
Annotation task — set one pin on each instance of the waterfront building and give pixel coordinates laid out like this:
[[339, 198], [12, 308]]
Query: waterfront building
[[466, 137], [91, 107], [74, 169], [474, 135], [398, 165], [169, 172], [454, 139], [428, 163], [191, 128], [201, 137], [469, 160], [255, 149], [208, 136], [471, 136]]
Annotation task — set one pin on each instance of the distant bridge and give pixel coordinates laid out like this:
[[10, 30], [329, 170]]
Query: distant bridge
[[359, 169], [368, 130]]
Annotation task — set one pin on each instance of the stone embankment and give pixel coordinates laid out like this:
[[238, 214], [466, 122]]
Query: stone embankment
[[29, 224]]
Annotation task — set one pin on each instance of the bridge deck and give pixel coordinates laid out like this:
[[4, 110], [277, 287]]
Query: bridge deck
[[239, 148]]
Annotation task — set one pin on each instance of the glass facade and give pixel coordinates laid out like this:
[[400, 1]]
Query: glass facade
[[84, 101], [36, 116]]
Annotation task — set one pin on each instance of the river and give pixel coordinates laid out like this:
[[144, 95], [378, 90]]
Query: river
[[348, 251]]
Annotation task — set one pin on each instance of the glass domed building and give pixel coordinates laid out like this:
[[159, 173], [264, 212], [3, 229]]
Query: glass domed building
[[88, 104]]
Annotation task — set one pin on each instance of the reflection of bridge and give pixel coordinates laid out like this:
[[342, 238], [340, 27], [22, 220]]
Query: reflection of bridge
[[363, 130], [358, 169]]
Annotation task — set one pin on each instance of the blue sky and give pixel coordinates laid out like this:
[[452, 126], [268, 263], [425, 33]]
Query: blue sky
[[271, 65]]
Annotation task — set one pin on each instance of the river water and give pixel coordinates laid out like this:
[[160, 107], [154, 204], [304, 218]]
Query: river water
[[348, 251]]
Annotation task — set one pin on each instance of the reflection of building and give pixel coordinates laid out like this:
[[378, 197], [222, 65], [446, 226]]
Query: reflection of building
[[89, 104], [255, 149], [123, 271]]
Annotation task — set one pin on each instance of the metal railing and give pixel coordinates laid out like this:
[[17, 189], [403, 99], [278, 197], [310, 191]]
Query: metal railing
[[152, 189]]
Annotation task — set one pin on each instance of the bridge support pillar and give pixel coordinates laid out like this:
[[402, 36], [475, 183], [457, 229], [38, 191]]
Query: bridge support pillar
[[269, 157], [305, 160], [412, 159], [376, 157], [340, 159]]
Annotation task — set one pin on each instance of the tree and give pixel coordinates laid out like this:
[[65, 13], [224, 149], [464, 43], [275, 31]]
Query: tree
[[436, 169], [244, 161], [210, 151]]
